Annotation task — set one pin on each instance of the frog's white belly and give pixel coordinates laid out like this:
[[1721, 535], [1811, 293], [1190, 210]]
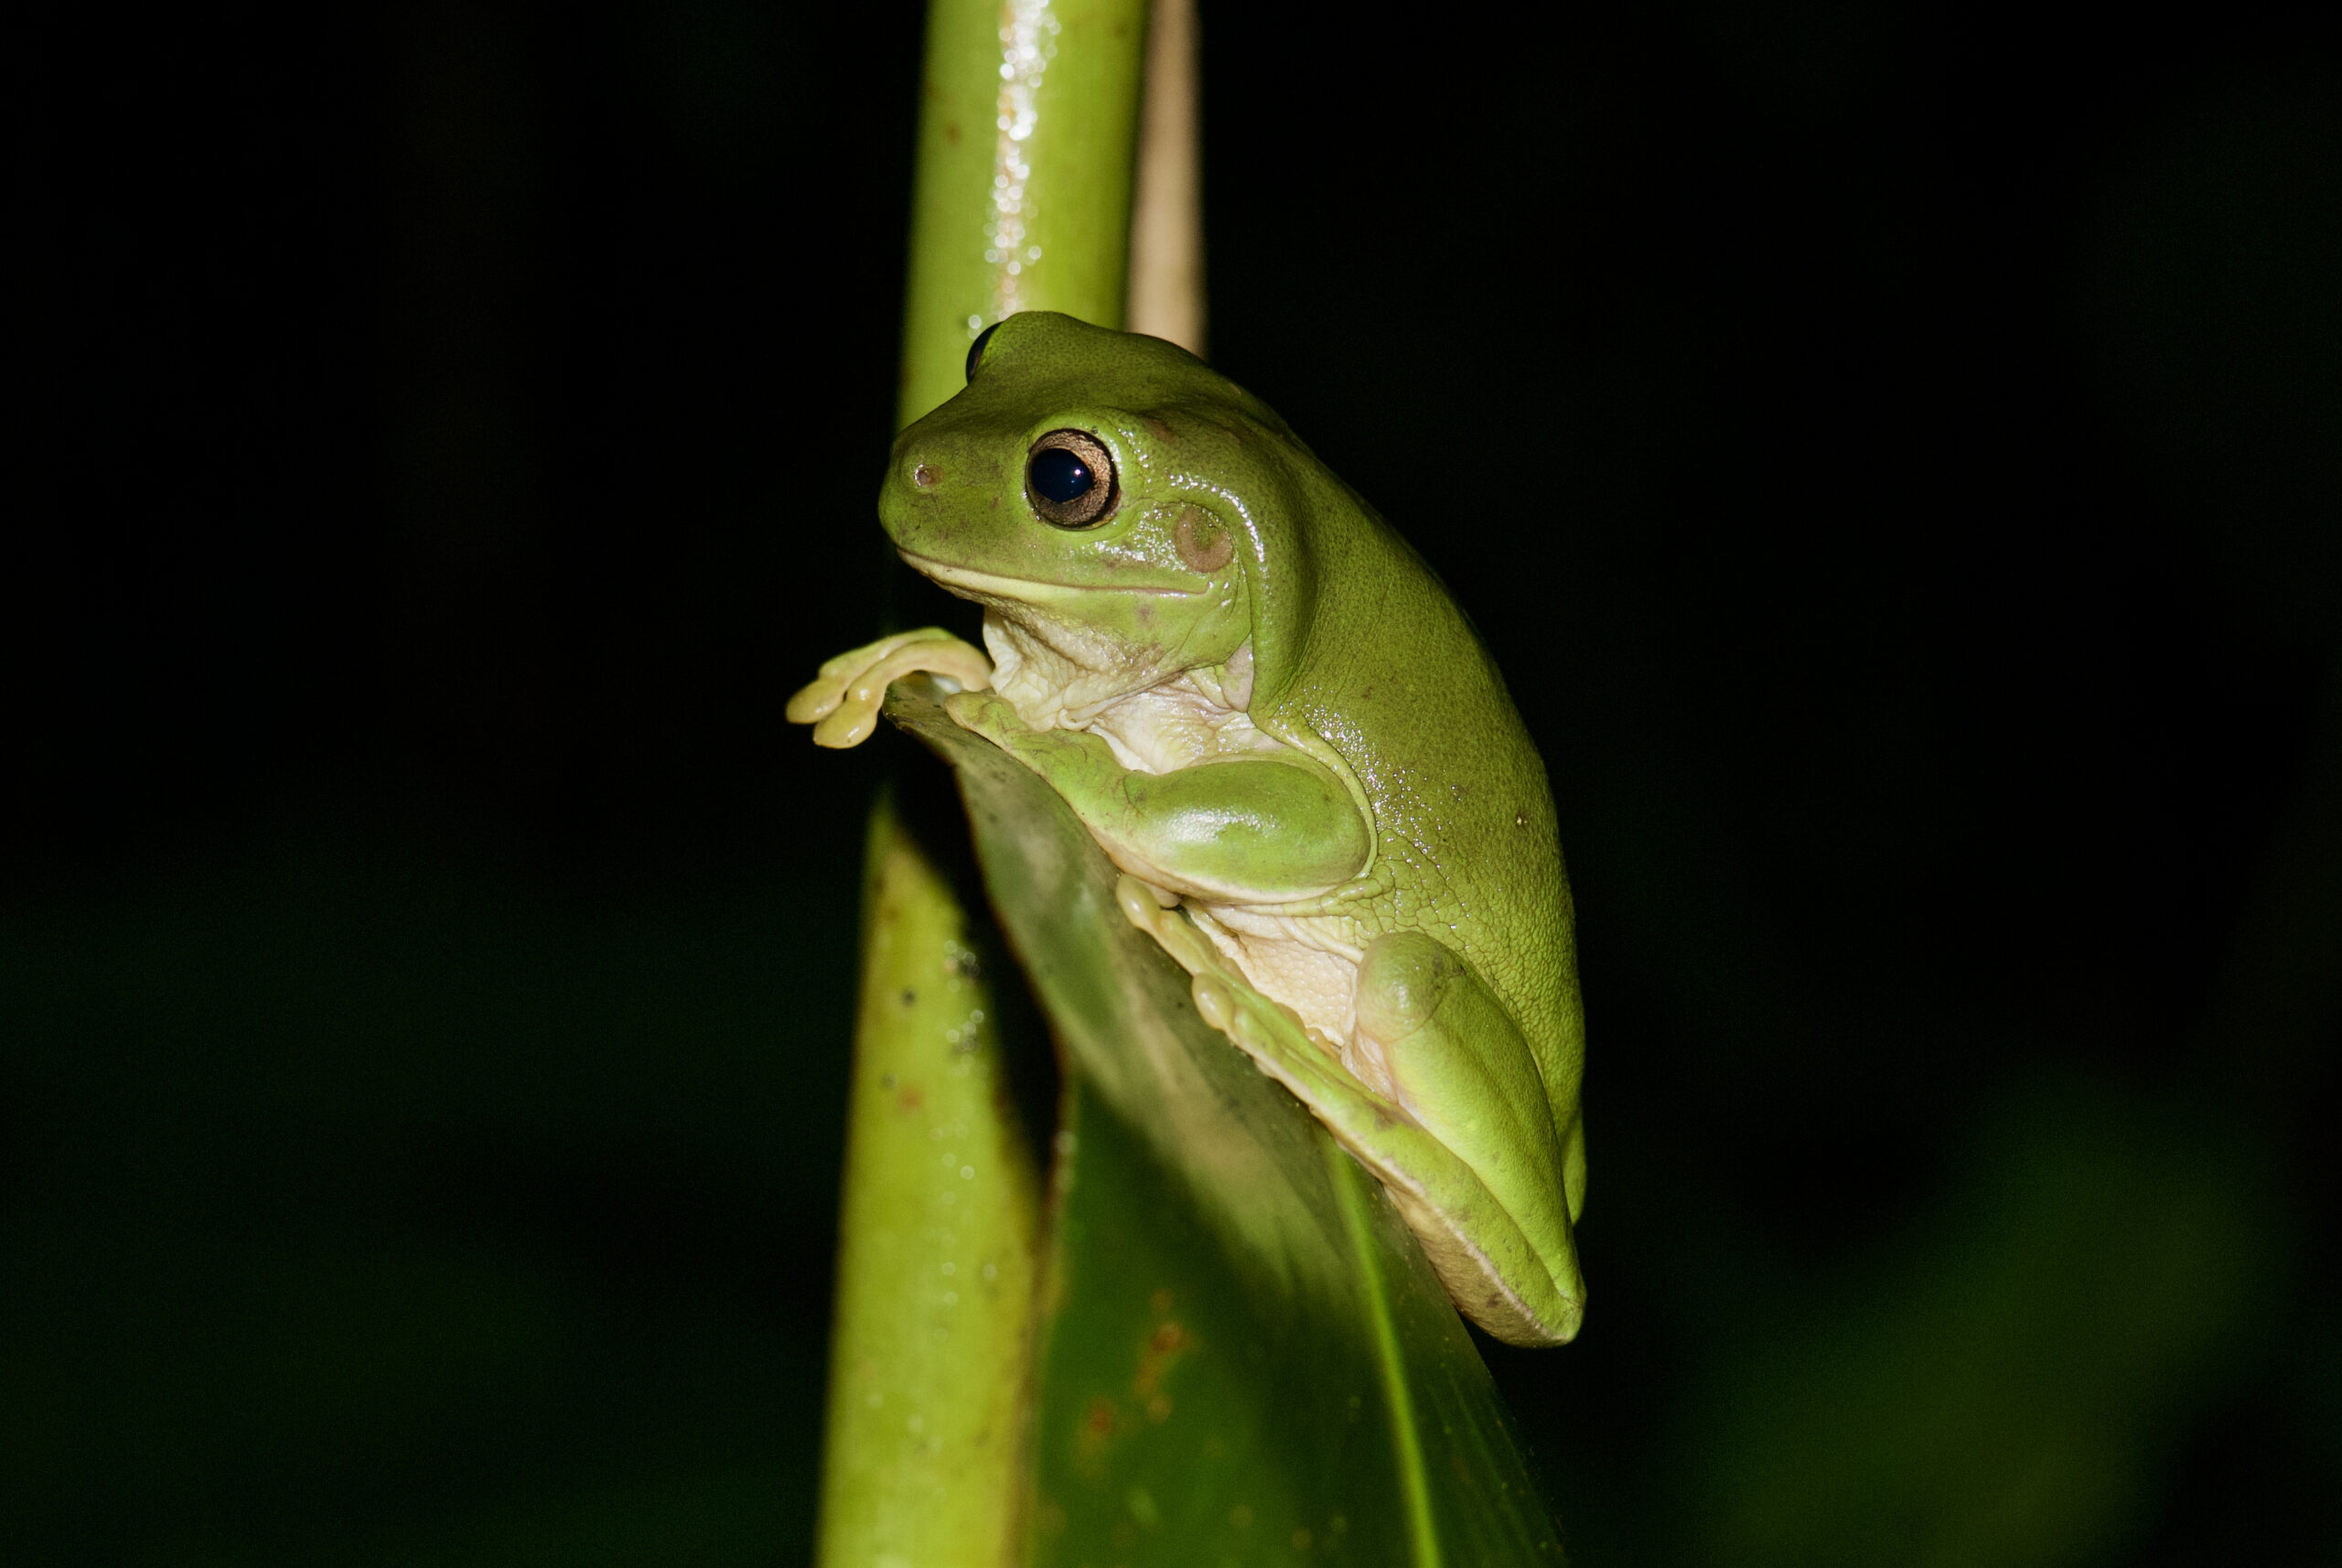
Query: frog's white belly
[[1306, 962]]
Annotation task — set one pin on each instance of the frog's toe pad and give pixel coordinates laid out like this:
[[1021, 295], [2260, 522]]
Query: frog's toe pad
[[847, 726], [1137, 903], [817, 699], [1214, 1001]]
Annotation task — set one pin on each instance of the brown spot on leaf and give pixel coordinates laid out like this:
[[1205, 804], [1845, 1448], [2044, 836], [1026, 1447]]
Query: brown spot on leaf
[[1163, 1349], [1093, 1437]]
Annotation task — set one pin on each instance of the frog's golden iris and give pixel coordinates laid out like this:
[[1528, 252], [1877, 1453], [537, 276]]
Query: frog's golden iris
[[1069, 479]]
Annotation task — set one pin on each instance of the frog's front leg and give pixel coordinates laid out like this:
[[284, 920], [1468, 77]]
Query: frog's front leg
[[1258, 827], [842, 702]]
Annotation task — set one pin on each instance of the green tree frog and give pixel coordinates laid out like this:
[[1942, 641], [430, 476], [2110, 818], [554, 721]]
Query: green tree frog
[[1270, 715]]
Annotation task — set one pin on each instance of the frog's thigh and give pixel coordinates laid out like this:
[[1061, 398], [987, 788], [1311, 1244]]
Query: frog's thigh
[[1463, 1071]]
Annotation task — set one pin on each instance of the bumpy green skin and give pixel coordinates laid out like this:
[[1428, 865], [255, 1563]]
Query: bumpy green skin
[[1404, 819]]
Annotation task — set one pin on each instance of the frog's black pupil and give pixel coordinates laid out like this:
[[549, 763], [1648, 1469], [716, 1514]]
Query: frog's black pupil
[[1060, 475], [976, 349]]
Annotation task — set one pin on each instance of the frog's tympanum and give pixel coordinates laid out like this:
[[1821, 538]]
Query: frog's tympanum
[[1267, 711]]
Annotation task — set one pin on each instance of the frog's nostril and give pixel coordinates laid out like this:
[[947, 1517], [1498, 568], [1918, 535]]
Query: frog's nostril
[[923, 477]]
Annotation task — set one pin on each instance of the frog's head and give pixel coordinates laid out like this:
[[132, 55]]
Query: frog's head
[[1108, 497]]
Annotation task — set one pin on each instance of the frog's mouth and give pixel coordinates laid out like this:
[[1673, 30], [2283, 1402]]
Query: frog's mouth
[[987, 587]]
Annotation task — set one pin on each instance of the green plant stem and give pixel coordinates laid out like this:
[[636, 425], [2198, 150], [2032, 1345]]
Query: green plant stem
[[935, 1269], [1021, 200], [1028, 120]]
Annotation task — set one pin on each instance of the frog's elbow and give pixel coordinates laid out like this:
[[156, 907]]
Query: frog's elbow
[[1350, 844], [1324, 839], [1252, 831]]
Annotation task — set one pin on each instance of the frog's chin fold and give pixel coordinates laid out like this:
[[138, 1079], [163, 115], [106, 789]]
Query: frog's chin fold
[[987, 587], [1054, 666]]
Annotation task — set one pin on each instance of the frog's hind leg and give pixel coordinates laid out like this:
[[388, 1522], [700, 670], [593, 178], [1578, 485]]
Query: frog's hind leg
[[1497, 1275], [1459, 1067]]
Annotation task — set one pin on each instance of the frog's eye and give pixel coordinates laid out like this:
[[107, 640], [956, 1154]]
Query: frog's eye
[[976, 349], [1069, 477]]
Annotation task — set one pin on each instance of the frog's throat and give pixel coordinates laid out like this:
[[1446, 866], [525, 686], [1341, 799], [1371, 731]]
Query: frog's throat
[[1055, 668], [1059, 673]]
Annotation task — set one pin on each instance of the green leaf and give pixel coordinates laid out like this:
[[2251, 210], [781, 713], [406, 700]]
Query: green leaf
[[1245, 1356]]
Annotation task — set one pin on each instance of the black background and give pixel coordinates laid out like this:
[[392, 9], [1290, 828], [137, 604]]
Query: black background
[[1892, 450]]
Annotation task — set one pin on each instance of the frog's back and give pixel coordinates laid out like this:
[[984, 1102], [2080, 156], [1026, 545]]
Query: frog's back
[[1466, 850]]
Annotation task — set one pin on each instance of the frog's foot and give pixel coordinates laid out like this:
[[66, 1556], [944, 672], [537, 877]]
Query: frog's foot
[[1488, 1263], [986, 712], [1465, 1074], [842, 702]]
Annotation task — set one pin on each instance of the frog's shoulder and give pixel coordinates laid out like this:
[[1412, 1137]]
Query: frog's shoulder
[[1388, 668]]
